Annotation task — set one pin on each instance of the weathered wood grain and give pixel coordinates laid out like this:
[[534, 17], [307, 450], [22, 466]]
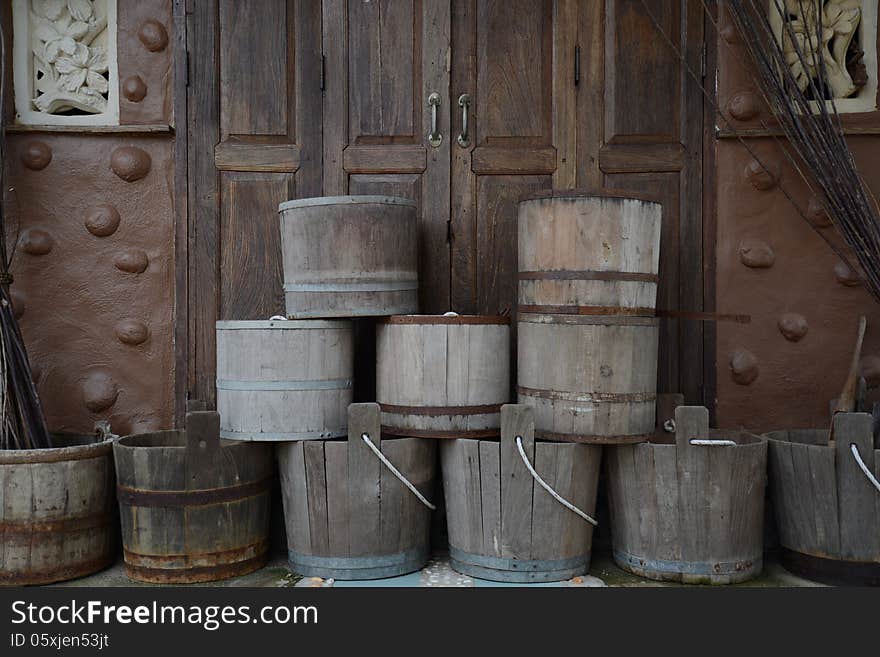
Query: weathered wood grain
[[284, 380]]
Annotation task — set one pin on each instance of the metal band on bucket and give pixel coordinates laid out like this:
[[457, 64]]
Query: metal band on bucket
[[368, 567], [517, 570], [325, 384], [284, 436], [359, 286], [732, 568]]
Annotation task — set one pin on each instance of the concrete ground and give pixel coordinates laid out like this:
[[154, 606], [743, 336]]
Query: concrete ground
[[603, 572]]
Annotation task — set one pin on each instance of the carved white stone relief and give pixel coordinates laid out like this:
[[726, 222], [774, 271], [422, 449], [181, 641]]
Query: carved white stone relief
[[65, 62], [840, 35]]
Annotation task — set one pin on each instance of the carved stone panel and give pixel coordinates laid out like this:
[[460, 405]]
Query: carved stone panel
[[64, 62], [847, 48]]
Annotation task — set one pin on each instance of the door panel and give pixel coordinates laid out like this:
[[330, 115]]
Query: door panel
[[640, 130], [255, 122], [383, 59], [505, 59]]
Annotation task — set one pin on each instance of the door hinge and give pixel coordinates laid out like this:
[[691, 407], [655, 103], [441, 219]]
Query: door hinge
[[323, 72], [577, 65]]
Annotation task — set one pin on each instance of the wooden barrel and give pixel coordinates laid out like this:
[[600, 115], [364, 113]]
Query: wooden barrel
[[503, 525], [349, 256], [827, 510], [57, 510], [587, 331], [283, 379], [689, 513], [442, 376], [193, 508], [348, 517]]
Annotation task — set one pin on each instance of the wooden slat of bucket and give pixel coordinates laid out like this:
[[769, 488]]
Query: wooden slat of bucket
[[490, 496], [692, 465], [338, 516], [646, 489], [453, 472], [292, 464], [516, 482], [859, 536], [669, 521], [316, 482], [473, 520], [823, 475], [364, 490]]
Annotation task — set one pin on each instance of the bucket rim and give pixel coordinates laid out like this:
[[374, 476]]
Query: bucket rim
[[345, 200]]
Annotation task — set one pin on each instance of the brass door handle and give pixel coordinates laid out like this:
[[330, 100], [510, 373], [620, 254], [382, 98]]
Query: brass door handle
[[434, 137], [464, 102]]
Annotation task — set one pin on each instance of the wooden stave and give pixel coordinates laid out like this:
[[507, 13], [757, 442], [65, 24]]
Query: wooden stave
[[394, 217], [89, 536]]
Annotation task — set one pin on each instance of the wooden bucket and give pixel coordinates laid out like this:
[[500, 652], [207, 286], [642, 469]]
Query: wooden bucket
[[349, 256], [442, 376], [348, 516], [587, 331], [503, 525], [284, 380], [690, 513], [57, 510], [193, 508], [827, 509]]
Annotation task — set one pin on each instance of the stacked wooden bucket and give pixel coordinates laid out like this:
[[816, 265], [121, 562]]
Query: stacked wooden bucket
[[587, 363]]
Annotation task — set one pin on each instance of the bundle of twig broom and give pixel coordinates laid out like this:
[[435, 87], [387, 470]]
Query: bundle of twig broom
[[22, 424], [809, 118]]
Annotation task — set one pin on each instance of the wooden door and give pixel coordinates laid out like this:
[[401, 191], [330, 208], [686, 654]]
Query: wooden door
[[515, 59], [254, 114], [382, 61], [640, 129]]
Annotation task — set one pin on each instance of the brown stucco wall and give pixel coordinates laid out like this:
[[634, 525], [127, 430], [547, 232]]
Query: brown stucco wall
[[783, 368], [92, 219]]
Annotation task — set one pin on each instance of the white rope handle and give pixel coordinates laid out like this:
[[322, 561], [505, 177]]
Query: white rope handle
[[868, 473], [396, 472], [277, 318], [556, 496], [713, 443]]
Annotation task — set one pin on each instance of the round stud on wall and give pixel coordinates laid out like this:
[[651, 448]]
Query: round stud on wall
[[130, 163], [816, 213], [36, 155], [760, 177], [869, 369], [132, 261], [99, 390], [36, 241], [132, 332], [756, 253], [744, 106], [153, 35], [134, 88], [102, 220], [792, 326], [845, 275], [18, 303], [743, 366]]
